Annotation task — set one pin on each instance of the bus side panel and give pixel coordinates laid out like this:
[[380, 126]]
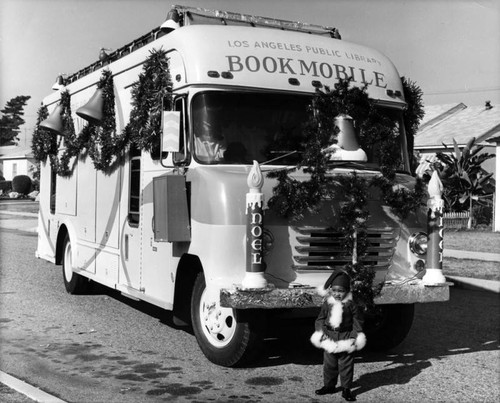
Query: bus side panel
[[66, 191], [86, 189], [85, 256], [108, 195], [107, 267]]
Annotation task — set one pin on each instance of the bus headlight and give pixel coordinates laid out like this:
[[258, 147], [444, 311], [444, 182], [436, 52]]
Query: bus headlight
[[418, 243]]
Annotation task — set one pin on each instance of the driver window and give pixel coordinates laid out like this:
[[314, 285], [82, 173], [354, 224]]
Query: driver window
[[180, 156]]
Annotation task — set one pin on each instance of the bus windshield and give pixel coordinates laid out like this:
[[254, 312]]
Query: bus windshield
[[239, 127]]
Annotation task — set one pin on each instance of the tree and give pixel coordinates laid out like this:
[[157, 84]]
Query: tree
[[463, 177], [11, 119]]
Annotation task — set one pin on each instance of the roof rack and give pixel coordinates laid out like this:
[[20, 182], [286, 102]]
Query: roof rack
[[195, 16], [202, 16]]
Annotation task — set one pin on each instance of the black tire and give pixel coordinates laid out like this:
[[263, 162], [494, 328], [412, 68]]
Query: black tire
[[388, 325], [234, 339], [73, 282]]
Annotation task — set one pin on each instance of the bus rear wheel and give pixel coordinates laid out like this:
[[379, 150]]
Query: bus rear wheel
[[73, 282], [386, 326], [226, 336]]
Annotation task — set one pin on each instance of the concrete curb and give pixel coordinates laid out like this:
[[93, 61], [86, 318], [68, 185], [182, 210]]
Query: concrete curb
[[26, 389], [469, 283]]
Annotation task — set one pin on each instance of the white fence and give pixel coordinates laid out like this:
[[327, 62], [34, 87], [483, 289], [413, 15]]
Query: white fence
[[456, 220]]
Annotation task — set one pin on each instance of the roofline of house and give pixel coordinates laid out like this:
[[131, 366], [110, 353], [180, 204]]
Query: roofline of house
[[441, 146], [489, 133], [439, 118]]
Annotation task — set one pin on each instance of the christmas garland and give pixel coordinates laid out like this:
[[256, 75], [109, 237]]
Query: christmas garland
[[105, 147], [60, 165], [294, 198], [150, 95], [44, 143]]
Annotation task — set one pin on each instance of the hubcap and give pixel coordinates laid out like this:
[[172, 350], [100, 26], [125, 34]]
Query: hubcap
[[218, 323]]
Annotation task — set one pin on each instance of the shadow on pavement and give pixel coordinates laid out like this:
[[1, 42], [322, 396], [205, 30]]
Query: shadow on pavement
[[459, 326]]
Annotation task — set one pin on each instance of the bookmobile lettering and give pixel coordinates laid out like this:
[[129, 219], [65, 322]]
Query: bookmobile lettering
[[297, 66], [301, 67]]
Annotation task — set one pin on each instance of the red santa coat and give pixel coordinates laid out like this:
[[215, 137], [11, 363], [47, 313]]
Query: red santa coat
[[339, 326]]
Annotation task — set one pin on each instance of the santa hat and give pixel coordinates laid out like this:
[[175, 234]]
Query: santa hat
[[338, 278]]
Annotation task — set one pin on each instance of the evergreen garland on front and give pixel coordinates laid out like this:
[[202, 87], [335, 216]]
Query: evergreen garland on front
[[412, 115], [378, 133]]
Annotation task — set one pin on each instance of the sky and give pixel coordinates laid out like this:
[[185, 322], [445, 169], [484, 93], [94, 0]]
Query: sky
[[450, 48]]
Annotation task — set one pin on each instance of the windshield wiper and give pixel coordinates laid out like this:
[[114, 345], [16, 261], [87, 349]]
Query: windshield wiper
[[353, 164], [284, 155]]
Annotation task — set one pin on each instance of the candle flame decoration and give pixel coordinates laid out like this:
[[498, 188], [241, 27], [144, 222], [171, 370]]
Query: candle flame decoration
[[435, 187], [255, 178]]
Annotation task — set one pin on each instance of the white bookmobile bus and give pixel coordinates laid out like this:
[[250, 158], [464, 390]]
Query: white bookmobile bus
[[172, 231]]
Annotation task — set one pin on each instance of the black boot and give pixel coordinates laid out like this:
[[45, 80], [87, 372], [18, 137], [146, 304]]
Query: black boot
[[325, 390], [347, 395]]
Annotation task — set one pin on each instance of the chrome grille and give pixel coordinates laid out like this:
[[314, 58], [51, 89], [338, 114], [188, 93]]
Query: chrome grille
[[320, 249]]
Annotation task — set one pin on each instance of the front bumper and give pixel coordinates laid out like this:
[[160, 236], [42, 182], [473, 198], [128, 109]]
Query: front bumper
[[307, 297]]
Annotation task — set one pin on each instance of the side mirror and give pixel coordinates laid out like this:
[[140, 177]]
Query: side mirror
[[171, 135]]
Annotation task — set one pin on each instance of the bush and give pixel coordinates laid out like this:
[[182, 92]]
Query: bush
[[21, 184], [5, 186], [483, 214]]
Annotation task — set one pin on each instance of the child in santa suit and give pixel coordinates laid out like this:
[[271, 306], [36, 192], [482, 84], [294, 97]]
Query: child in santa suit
[[339, 332]]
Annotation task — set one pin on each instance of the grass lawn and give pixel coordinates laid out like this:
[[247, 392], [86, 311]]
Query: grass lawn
[[475, 241], [471, 268], [19, 205]]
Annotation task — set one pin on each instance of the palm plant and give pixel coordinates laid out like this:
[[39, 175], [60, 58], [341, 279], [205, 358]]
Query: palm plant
[[463, 177]]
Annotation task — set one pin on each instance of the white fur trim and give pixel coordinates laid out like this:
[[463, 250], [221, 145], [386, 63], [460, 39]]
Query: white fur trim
[[336, 309], [360, 341], [335, 318], [316, 338], [319, 340], [321, 290]]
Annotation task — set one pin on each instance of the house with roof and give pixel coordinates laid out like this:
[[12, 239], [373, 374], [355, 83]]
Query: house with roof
[[443, 123], [15, 160]]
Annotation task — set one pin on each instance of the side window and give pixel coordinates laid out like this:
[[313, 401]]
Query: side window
[[53, 187], [134, 200], [182, 154]]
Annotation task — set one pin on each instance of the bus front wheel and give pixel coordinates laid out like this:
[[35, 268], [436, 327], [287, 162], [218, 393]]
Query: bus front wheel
[[386, 326], [226, 336]]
